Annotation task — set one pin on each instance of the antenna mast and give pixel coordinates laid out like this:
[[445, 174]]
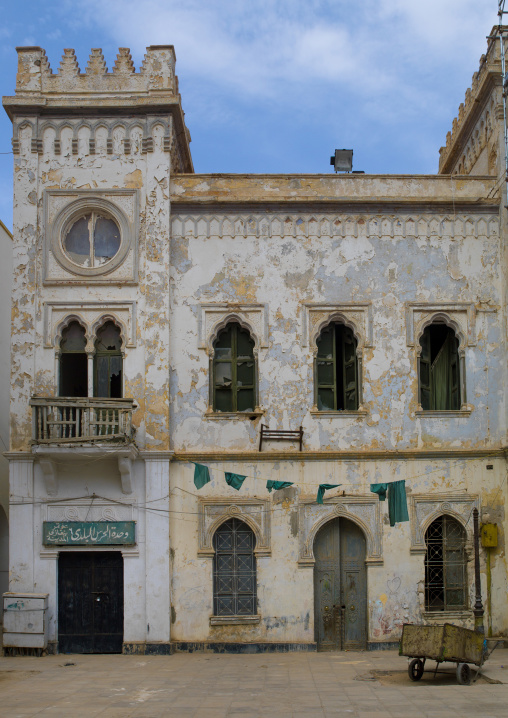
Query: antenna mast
[[501, 12]]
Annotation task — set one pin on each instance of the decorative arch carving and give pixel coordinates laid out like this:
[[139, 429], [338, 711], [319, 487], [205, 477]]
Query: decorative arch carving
[[101, 321], [254, 512], [441, 318], [339, 317], [62, 326], [214, 317], [361, 510], [426, 508], [232, 318], [356, 315]]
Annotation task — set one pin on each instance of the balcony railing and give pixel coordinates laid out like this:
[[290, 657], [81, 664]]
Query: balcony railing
[[66, 420]]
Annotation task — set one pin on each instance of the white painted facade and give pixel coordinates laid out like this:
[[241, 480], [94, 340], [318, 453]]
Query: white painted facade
[[281, 257]]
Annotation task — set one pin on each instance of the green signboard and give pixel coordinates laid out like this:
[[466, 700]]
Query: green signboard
[[89, 533]]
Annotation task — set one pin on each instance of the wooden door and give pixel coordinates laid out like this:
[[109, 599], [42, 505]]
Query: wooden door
[[340, 587], [90, 602]]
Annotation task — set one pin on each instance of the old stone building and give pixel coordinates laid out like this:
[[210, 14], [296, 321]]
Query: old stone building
[[161, 318]]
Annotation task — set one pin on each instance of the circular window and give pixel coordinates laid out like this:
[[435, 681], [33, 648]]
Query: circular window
[[92, 240], [91, 236]]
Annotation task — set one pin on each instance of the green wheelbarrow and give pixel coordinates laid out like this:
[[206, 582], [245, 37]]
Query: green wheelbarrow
[[444, 643]]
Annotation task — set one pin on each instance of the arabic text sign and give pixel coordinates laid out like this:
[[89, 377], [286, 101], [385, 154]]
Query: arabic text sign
[[86, 533]]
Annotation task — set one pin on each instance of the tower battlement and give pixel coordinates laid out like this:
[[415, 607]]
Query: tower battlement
[[156, 74], [472, 129]]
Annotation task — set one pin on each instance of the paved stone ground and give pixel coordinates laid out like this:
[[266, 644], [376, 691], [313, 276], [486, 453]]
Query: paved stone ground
[[200, 685]]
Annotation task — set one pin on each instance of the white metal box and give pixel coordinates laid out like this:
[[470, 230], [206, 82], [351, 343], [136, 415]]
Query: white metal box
[[25, 620]]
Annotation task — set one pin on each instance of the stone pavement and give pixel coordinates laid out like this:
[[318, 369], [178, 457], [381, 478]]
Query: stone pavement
[[203, 685]]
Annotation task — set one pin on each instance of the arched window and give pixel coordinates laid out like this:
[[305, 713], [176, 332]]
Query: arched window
[[234, 370], [73, 361], [337, 384], [234, 570], [108, 362], [445, 565], [439, 369]]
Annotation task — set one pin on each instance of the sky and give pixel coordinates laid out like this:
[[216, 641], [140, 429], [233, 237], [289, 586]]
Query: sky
[[274, 86]]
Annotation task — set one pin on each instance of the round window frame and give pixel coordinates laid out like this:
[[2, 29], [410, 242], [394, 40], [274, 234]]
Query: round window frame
[[70, 214]]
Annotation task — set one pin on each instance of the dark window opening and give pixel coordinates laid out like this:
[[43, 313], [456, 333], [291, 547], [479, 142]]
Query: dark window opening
[[337, 369], [73, 362], [439, 369], [234, 570], [108, 362], [234, 372], [445, 566]]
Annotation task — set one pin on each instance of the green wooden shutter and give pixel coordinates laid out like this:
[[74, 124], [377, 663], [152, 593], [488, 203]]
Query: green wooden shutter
[[454, 372], [223, 371], [349, 370], [424, 371], [326, 370]]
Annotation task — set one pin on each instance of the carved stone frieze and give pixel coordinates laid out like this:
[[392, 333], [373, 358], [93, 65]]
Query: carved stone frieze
[[425, 508], [254, 512], [89, 510], [362, 510], [278, 224]]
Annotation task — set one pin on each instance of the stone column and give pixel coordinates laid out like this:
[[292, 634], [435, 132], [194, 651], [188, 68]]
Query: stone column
[[157, 550], [21, 523]]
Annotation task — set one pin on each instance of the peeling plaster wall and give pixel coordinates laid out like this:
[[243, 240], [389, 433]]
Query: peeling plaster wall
[[286, 260], [395, 592]]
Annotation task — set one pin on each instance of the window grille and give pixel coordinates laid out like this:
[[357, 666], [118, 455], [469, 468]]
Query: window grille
[[234, 570], [445, 566]]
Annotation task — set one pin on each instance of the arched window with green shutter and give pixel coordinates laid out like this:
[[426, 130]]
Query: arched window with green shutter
[[439, 369], [234, 370], [337, 380], [108, 362]]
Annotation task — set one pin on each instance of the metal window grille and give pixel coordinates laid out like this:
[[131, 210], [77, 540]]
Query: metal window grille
[[234, 570], [445, 565]]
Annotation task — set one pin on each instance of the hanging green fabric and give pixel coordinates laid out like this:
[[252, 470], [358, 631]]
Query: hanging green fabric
[[201, 476], [276, 485], [322, 489], [380, 490], [397, 502], [234, 480]]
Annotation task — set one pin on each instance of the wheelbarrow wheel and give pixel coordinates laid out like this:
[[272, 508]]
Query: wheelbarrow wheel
[[415, 669], [463, 674]]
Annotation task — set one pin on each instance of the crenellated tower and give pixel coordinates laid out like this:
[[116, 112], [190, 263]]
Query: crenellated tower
[[475, 144]]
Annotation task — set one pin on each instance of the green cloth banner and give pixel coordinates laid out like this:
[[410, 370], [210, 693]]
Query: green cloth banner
[[201, 476], [234, 480], [322, 489], [397, 501], [276, 485]]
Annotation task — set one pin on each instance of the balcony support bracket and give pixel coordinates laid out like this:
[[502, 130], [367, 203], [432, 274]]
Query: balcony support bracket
[[50, 479], [125, 469]]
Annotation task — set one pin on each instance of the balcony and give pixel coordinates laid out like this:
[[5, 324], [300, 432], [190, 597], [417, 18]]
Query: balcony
[[81, 420]]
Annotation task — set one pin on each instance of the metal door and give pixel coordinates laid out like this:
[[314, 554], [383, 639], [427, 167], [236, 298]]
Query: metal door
[[340, 587], [90, 602]]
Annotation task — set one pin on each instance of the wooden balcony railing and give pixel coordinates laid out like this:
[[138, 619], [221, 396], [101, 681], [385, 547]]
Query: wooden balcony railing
[[66, 420]]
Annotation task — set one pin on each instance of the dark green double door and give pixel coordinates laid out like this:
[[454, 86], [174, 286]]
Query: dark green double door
[[90, 602], [340, 587]]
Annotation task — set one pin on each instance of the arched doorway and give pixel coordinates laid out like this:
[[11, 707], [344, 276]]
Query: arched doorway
[[340, 587]]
